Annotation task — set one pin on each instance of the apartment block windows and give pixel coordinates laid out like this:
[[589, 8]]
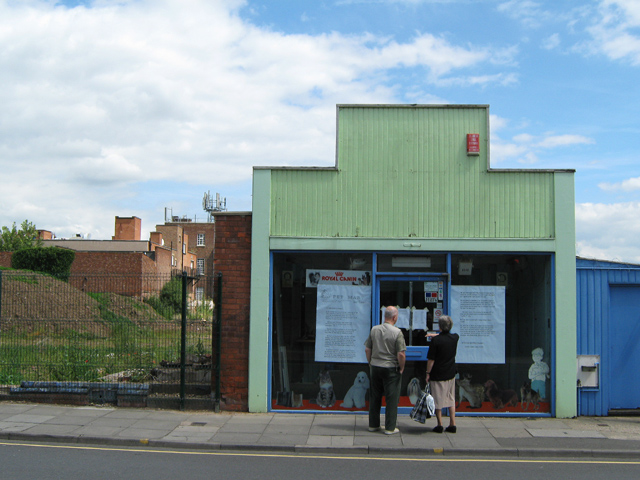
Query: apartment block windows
[[200, 240], [200, 266]]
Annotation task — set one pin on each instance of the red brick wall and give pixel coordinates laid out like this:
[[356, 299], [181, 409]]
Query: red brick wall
[[128, 228], [5, 259], [117, 272], [232, 258], [125, 273]]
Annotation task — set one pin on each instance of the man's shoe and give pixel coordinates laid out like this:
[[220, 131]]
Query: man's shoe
[[451, 429], [438, 429], [374, 429], [391, 432]]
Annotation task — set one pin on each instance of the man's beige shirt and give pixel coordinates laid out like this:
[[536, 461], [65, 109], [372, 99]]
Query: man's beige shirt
[[385, 341]]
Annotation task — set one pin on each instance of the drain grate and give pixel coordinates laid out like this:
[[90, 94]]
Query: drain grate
[[198, 424]]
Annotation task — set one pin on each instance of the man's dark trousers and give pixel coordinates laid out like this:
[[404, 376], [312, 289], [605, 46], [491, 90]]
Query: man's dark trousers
[[384, 381]]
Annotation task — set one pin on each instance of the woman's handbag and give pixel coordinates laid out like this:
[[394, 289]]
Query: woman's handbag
[[424, 408]]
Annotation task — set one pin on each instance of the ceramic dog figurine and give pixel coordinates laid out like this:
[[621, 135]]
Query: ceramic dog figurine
[[472, 392], [529, 396], [355, 395], [500, 398]]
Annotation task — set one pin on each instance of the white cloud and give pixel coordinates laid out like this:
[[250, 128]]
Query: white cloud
[[497, 123], [110, 167], [614, 31], [553, 141], [528, 158], [97, 101], [551, 42], [611, 25], [528, 12], [523, 138], [628, 185], [525, 148], [503, 79], [608, 231]]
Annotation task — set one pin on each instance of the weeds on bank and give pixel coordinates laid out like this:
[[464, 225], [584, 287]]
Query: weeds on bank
[[64, 351]]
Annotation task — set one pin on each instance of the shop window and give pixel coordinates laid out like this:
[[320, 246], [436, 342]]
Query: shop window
[[314, 363], [506, 358], [311, 370]]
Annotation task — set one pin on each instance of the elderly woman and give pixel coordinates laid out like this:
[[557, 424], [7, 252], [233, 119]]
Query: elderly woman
[[441, 372]]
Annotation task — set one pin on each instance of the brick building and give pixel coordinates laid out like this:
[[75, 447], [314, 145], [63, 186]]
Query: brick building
[[196, 241], [233, 261]]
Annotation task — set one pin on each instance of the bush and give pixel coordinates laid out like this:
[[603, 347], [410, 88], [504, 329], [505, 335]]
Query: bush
[[51, 260], [169, 303], [159, 307], [171, 294]]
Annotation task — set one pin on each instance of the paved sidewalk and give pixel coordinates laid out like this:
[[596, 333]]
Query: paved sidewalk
[[597, 437]]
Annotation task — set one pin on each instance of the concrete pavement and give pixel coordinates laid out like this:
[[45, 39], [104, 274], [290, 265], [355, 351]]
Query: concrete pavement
[[583, 437]]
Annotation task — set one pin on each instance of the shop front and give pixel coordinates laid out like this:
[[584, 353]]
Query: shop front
[[411, 217], [323, 311]]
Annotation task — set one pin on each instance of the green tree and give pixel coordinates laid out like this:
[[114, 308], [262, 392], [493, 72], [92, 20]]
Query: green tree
[[14, 238]]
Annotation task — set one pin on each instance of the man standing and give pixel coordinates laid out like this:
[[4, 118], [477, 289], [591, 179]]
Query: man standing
[[385, 349]]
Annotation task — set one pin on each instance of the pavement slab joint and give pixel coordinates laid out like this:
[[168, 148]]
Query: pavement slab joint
[[321, 433]]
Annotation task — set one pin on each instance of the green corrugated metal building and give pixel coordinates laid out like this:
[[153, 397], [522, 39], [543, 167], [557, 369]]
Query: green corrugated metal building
[[413, 208]]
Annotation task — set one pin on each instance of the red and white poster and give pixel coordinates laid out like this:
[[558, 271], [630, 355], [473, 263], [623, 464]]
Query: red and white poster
[[337, 277]]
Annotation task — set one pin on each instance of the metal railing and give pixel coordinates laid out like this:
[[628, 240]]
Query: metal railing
[[105, 336]]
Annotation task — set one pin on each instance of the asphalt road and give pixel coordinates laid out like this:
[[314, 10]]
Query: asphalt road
[[54, 461]]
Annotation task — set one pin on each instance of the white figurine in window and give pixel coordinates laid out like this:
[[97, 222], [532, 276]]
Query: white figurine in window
[[355, 397], [538, 372]]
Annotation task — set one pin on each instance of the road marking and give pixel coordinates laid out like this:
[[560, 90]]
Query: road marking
[[327, 457]]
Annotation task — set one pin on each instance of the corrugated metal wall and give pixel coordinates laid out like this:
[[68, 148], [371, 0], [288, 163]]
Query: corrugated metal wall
[[417, 157], [594, 279]]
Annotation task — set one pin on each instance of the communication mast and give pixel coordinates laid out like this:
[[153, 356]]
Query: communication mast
[[211, 205]]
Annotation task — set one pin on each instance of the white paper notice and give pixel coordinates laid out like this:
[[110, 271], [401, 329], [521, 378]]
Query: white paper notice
[[419, 319], [343, 322], [478, 315], [403, 318]]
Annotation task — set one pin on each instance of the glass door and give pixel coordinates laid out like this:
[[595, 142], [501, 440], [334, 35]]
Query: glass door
[[420, 299]]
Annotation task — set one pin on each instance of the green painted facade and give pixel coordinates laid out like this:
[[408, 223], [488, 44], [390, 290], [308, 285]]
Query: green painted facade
[[403, 181], [399, 170]]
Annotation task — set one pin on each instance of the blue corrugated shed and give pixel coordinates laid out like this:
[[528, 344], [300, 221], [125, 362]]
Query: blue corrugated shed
[[599, 284]]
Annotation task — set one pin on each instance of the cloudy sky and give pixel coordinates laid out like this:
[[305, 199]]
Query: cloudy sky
[[128, 107]]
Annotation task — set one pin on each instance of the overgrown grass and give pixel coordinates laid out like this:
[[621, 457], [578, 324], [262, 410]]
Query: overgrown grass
[[23, 279], [68, 350], [76, 356]]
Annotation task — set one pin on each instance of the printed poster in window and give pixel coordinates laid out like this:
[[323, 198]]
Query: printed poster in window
[[478, 314], [343, 321]]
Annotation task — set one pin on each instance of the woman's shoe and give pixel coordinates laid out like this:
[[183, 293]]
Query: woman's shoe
[[451, 429], [438, 429]]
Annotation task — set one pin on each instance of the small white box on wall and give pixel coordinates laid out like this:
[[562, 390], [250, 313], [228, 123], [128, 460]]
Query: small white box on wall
[[589, 371]]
